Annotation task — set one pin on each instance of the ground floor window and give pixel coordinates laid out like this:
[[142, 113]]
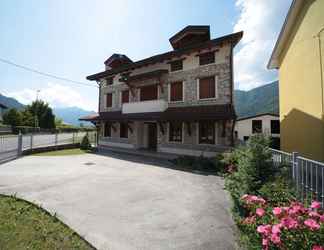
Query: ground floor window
[[123, 130], [175, 131], [207, 132], [107, 129]]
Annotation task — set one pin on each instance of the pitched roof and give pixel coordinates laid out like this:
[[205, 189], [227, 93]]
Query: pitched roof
[[285, 32], [255, 116], [191, 113], [233, 38]]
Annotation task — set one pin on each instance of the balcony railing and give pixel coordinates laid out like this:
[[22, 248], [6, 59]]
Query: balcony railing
[[144, 107]]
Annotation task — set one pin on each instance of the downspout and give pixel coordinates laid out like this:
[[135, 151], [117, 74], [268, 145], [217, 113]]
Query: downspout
[[99, 99], [232, 91], [321, 67]]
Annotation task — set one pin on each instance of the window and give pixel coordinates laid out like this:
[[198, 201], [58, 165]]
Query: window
[[107, 130], [207, 58], [256, 126], [149, 93], [176, 65], [207, 87], [275, 127], [175, 131], [246, 138], [109, 100], [125, 96], [123, 130], [207, 132], [109, 81], [176, 92]]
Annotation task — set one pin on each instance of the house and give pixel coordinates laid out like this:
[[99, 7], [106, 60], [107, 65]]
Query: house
[[299, 57], [2, 110], [178, 102], [266, 123]]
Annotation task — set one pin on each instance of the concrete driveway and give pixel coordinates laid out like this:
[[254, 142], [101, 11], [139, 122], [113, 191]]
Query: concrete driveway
[[119, 203]]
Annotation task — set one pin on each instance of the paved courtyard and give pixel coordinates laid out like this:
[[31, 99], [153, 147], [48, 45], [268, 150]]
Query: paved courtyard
[[119, 202]]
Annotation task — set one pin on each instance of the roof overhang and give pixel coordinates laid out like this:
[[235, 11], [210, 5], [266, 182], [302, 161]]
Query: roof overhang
[[257, 115], [285, 33], [231, 38]]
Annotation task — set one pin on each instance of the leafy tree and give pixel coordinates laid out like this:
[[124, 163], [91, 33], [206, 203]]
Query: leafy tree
[[12, 117], [27, 118], [43, 113]]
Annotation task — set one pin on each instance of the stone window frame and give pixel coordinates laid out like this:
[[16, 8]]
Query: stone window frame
[[121, 96], [182, 136], [216, 88], [183, 91], [112, 100], [215, 133], [176, 61], [204, 54]]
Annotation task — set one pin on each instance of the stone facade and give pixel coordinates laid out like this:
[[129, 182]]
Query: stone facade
[[190, 75]]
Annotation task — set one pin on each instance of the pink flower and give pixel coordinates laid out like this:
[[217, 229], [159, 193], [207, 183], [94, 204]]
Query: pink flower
[[260, 212], [265, 243], [296, 208], [277, 211], [264, 229], [289, 223], [312, 224], [276, 229], [316, 205], [245, 196], [318, 248], [313, 214], [322, 218], [275, 238], [249, 220]]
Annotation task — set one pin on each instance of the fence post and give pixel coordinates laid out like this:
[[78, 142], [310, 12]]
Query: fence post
[[56, 135], [295, 169], [31, 141], [72, 137], [19, 149]]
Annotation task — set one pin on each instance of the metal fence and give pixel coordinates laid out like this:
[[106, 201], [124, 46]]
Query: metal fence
[[11, 146], [307, 174]]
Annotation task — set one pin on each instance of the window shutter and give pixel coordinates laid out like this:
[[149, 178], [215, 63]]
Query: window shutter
[[149, 93], [207, 58], [109, 100], [176, 90], [207, 87], [125, 96]]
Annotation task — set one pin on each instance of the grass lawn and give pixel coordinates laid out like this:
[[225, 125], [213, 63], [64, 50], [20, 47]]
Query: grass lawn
[[74, 151], [26, 226]]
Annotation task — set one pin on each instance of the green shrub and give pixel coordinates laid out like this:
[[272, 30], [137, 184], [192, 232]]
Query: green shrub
[[254, 168], [85, 143]]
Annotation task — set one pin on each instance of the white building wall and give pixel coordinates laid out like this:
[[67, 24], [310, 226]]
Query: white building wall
[[244, 127]]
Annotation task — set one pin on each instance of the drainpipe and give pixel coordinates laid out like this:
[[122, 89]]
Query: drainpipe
[[98, 127], [232, 92], [321, 67]]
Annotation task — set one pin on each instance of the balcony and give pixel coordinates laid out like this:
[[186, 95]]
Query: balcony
[[144, 107]]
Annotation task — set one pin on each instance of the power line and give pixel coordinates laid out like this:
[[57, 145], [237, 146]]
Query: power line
[[45, 74]]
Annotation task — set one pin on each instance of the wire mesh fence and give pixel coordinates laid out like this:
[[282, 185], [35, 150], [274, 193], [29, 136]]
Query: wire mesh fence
[[12, 145], [307, 174]]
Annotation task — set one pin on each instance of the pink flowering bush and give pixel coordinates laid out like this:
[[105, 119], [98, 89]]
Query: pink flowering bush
[[287, 227]]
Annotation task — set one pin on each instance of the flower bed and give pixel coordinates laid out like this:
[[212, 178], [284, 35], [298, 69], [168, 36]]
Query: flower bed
[[265, 208]]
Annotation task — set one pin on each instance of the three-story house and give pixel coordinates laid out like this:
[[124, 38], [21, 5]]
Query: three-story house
[[178, 102]]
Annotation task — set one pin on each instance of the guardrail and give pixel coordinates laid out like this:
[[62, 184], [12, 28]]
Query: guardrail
[[307, 174], [12, 146]]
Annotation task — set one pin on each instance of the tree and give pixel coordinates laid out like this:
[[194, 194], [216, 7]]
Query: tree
[[12, 117], [44, 114], [27, 118]]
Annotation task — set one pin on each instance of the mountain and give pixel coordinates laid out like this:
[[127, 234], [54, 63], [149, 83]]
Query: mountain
[[264, 99], [11, 102], [71, 115]]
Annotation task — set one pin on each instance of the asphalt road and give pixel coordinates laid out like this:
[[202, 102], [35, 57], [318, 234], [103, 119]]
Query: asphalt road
[[119, 202]]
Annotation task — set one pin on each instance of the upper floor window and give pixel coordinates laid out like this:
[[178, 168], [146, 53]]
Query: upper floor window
[[125, 96], [109, 80], [256, 126], [176, 91], [207, 132], [207, 58], [175, 131], [109, 100], [176, 65], [123, 130], [149, 93], [107, 130], [275, 127], [207, 88]]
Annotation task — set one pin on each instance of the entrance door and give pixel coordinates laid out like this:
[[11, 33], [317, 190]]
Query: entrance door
[[152, 136]]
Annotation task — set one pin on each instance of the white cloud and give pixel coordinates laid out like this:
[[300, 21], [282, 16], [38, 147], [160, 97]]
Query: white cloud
[[261, 21], [56, 95]]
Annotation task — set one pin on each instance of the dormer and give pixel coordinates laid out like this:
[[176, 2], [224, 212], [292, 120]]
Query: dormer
[[190, 35], [117, 60]]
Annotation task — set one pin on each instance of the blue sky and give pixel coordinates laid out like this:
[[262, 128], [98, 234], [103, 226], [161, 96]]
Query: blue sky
[[73, 38]]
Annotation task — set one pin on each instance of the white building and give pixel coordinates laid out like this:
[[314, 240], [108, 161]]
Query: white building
[[266, 123]]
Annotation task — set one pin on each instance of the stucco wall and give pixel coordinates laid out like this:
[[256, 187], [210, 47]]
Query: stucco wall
[[244, 127], [301, 87]]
